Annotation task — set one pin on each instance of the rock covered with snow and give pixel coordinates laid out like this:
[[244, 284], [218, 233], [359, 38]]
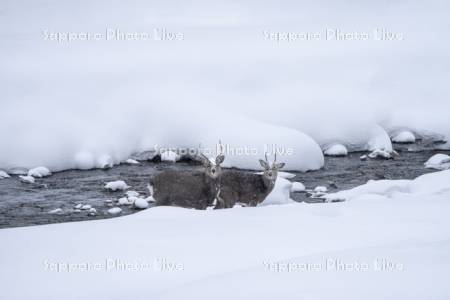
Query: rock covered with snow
[[118, 185], [336, 150], [169, 156], [132, 194], [124, 201], [438, 161], [380, 153], [56, 211], [131, 161], [320, 189], [39, 172], [404, 137], [3, 174], [297, 187], [114, 210], [27, 179], [140, 203]]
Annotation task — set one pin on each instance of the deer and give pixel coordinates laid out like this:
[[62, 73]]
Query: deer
[[249, 189], [189, 189]]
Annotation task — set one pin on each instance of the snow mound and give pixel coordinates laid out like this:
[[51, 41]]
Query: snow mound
[[297, 187], [3, 174], [280, 193], [39, 172], [438, 161], [27, 179], [105, 161], [404, 137], [336, 150], [118, 185], [140, 203], [114, 210]]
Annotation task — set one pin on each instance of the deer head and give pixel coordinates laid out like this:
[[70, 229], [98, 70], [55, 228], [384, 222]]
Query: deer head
[[271, 172], [213, 167]]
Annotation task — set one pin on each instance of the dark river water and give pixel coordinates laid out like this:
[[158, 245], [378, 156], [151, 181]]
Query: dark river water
[[23, 204]]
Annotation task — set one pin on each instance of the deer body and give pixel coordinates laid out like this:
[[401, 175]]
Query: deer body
[[247, 188], [194, 189], [190, 189], [241, 187]]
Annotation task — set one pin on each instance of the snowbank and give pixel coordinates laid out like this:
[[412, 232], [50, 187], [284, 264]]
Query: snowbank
[[397, 232], [428, 184]]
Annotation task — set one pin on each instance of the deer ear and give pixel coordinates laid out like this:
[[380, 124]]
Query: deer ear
[[220, 159], [264, 164], [280, 165]]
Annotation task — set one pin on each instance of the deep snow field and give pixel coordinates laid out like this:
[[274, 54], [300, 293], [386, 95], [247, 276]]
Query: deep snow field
[[390, 239]]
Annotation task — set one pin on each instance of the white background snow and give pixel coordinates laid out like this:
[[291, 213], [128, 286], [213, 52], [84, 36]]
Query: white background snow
[[85, 104]]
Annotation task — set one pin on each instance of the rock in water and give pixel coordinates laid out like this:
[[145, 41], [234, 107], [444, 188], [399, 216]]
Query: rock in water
[[321, 189], [118, 185], [378, 153], [114, 210], [56, 211], [297, 187], [3, 174], [404, 137], [336, 150], [439, 162], [131, 161], [140, 203], [27, 179], [39, 172], [169, 156]]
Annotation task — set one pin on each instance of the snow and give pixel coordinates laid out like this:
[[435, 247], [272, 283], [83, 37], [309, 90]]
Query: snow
[[380, 153], [140, 203], [27, 179], [389, 240], [438, 161], [118, 185], [169, 156], [39, 172], [115, 210], [297, 187], [131, 161], [280, 193], [56, 211], [425, 185], [124, 201], [132, 194], [336, 150], [320, 189], [86, 207], [404, 137], [3, 174]]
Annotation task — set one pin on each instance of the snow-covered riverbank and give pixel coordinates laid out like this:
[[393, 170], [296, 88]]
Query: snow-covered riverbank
[[391, 244]]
